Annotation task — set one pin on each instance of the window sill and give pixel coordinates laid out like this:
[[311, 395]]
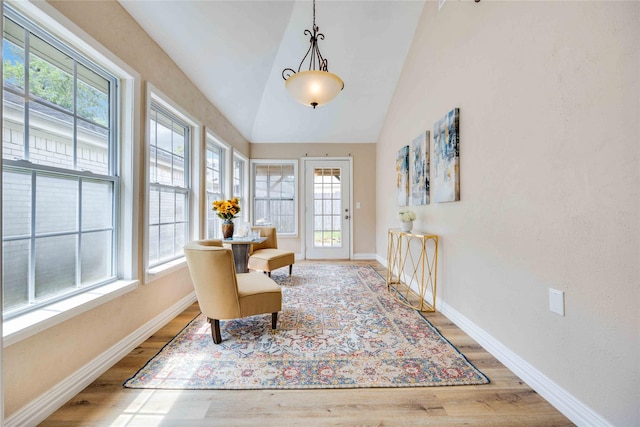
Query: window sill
[[29, 324], [164, 269]]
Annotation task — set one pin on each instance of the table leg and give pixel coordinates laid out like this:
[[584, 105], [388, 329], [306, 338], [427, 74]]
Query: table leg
[[241, 257]]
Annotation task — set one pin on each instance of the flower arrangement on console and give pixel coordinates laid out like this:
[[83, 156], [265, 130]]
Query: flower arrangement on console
[[406, 215], [226, 209], [406, 218]]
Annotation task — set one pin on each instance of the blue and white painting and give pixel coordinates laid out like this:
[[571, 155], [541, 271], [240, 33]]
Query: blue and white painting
[[419, 173], [446, 158], [402, 176]]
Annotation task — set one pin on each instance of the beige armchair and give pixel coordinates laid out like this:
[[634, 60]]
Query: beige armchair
[[266, 256], [223, 294]]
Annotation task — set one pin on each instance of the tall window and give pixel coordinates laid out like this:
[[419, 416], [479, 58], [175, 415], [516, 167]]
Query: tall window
[[274, 195], [169, 143], [239, 169], [214, 186], [60, 182]]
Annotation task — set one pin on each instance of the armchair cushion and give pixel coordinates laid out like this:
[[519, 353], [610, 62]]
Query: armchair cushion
[[258, 294], [266, 256], [270, 259]]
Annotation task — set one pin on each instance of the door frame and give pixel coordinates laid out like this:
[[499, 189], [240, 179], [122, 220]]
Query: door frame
[[303, 228]]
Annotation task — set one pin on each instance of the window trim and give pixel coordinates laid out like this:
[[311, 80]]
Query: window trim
[[248, 211], [154, 95], [127, 124], [296, 178], [212, 139]]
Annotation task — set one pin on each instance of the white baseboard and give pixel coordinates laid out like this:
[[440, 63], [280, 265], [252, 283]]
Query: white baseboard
[[572, 408], [562, 400], [364, 256], [46, 404]]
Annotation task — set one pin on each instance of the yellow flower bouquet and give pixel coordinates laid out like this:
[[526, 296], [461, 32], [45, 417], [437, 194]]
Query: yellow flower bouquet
[[226, 209]]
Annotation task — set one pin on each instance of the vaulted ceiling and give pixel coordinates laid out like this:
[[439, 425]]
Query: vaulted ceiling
[[235, 51]]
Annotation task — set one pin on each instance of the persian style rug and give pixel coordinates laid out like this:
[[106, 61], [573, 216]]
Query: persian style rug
[[339, 328]]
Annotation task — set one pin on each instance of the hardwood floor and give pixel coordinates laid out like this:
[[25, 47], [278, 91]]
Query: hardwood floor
[[506, 401]]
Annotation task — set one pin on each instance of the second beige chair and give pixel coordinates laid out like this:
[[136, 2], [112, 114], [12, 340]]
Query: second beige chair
[[223, 294], [266, 256]]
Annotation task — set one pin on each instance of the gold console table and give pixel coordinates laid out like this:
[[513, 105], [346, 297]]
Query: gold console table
[[412, 268]]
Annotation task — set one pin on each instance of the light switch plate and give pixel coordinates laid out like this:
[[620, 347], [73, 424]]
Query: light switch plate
[[556, 301]]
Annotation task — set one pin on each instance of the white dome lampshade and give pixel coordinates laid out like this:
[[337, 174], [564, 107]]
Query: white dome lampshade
[[314, 87]]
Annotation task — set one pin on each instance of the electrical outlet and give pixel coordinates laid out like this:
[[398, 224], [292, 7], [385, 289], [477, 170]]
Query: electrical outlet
[[556, 301], [357, 205]]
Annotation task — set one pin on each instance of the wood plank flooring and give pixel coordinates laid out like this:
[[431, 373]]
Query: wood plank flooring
[[506, 401]]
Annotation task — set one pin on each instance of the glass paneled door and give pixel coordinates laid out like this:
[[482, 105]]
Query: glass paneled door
[[328, 214]]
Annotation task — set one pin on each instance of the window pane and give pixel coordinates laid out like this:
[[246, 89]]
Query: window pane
[[16, 204], [164, 171], [15, 274], [167, 207], [213, 222], [261, 176], [260, 209], [56, 204], [55, 269], [97, 253], [261, 188], [153, 170], [210, 180], [96, 204], [50, 136], [287, 190], [238, 178], [13, 127], [163, 133], [50, 74], [154, 206], [180, 241], [165, 248], [178, 140], [93, 148], [154, 239], [178, 172], [13, 55], [93, 96], [181, 207]]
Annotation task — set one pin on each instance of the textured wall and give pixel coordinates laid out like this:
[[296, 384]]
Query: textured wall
[[549, 128]]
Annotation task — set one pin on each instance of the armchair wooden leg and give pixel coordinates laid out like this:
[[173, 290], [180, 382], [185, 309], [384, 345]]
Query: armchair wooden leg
[[274, 320], [290, 269], [269, 273], [215, 330]]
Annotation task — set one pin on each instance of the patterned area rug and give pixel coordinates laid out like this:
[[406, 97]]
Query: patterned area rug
[[339, 328]]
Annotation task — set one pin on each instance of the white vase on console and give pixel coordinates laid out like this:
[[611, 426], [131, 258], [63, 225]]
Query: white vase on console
[[406, 226]]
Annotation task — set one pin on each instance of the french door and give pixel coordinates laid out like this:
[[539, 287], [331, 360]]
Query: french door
[[328, 204]]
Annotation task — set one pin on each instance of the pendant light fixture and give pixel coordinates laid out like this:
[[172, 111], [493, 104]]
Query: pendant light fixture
[[316, 86]]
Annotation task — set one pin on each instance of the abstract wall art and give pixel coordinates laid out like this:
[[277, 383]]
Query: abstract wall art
[[402, 175], [446, 158], [419, 172]]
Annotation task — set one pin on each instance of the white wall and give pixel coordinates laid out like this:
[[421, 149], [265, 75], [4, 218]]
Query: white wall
[[550, 126]]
